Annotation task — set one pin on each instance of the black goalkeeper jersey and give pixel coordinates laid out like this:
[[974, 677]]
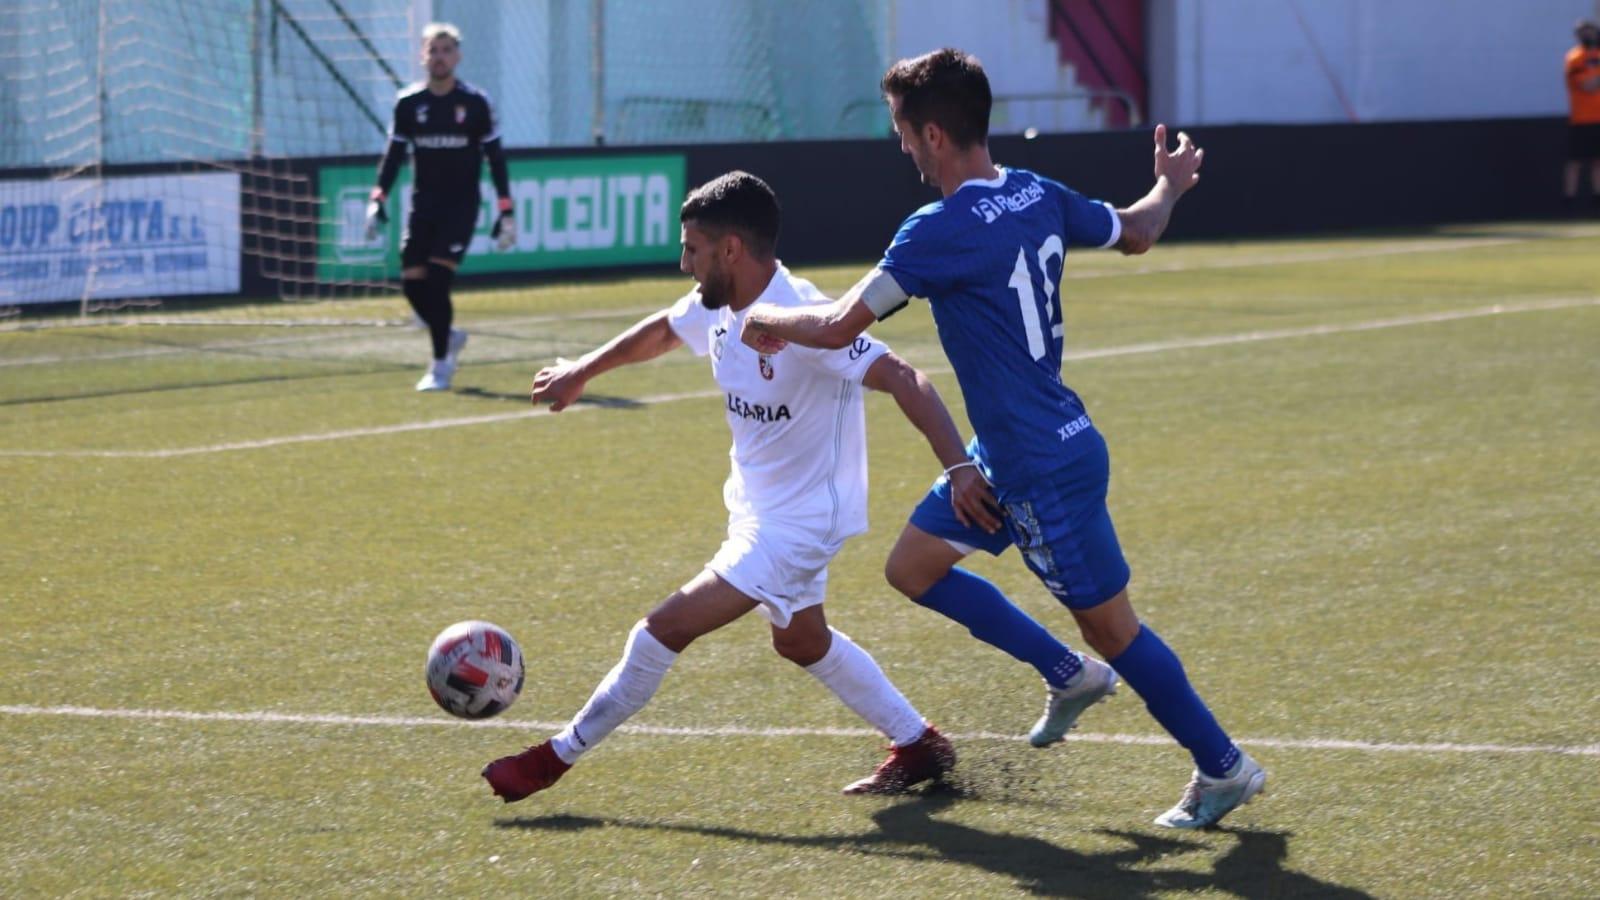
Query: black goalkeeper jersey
[[448, 136]]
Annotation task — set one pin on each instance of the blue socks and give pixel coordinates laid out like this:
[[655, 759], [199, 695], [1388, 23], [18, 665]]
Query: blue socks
[[1153, 670], [976, 603], [1148, 665]]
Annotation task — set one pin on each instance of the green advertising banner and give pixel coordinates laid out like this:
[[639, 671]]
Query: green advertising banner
[[572, 212]]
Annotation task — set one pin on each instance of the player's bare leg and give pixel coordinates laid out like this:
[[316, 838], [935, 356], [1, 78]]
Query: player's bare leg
[[1109, 627], [700, 607], [917, 753], [919, 560]]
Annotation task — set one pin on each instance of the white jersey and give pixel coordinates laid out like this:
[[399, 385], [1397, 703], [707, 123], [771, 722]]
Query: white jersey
[[799, 427]]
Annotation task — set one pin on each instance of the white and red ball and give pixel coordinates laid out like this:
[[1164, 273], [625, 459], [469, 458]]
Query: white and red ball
[[474, 670]]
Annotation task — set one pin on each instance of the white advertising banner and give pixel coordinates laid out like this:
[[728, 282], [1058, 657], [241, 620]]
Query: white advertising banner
[[135, 236]]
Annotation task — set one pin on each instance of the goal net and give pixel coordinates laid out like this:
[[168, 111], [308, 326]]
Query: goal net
[[162, 150], [159, 145]]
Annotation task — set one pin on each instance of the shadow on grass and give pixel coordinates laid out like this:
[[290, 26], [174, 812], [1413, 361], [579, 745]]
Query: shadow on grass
[[478, 393], [1253, 867], [601, 400], [196, 385]]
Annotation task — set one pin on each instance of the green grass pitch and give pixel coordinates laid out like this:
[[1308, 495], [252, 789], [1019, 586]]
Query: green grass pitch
[[1357, 479]]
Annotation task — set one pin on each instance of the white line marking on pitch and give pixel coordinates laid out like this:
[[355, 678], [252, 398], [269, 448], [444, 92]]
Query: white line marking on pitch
[[1300, 256], [427, 425], [1122, 268], [350, 331], [1220, 340], [270, 718]]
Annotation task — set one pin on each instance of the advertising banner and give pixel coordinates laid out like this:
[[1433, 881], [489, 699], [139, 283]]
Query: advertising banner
[[572, 212], [136, 236]]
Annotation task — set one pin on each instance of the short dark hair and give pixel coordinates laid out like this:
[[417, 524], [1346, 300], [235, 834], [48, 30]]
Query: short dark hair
[[737, 201], [946, 87]]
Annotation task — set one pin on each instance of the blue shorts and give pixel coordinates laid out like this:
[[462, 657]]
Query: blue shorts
[[1059, 523]]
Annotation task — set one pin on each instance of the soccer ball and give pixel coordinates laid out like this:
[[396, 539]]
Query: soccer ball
[[474, 670]]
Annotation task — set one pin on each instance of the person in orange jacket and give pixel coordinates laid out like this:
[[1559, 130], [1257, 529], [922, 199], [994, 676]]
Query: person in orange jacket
[[1583, 95]]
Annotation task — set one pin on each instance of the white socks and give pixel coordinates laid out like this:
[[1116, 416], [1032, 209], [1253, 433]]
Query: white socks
[[624, 691], [846, 670], [855, 678]]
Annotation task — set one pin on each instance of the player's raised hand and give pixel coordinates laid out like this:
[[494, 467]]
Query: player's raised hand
[[1180, 167], [972, 499], [559, 385]]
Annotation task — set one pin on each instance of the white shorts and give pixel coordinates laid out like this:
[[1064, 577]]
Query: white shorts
[[782, 568]]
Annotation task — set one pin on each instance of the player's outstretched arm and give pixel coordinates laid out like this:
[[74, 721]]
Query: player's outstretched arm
[[562, 384], [1176, 171], [830, 327], [919, 400]]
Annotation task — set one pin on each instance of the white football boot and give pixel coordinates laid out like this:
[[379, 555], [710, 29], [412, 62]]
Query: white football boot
[[1063, 706], [1206, 800], [437, 378]]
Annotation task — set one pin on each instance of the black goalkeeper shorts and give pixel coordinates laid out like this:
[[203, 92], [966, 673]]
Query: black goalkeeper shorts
[[438, 233]]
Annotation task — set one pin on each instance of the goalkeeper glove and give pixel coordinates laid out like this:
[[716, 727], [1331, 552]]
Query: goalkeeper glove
[[504, 231], [377, 217]]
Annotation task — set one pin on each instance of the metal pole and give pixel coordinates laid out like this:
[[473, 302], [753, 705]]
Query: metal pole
[[257, 61], [98, 163], [597, 70]]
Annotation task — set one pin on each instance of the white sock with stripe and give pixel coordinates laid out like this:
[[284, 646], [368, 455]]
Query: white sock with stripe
[[624, 691]]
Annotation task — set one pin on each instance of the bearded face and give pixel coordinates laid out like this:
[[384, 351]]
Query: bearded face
[[702, 260]]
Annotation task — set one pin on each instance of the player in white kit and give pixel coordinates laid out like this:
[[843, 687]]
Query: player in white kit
[[797, 490]]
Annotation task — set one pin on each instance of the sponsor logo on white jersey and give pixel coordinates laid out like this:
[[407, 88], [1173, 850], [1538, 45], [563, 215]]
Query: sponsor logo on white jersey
[[760, 412]]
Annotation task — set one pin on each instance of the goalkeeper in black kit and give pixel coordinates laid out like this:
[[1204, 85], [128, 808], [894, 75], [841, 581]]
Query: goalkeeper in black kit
[[449, 128]]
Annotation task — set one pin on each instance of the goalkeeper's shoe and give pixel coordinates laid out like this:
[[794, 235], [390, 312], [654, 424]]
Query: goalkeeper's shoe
[[1206, 800], [927, 758], [438, 376], [1063, 706], [534, 769]]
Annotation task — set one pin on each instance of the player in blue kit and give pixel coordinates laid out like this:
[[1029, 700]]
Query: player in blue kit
[[988, 257]]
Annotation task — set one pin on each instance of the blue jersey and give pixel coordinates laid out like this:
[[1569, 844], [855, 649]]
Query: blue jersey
[[988, 258]]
